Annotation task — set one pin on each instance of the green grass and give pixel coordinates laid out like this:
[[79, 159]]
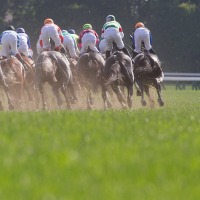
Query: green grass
[[85, 155]]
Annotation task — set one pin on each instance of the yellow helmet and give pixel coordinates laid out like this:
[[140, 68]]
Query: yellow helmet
[[48, 21], [139, 25]]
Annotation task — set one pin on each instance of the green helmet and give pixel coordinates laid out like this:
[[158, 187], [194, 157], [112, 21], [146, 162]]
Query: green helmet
[[110, 18], [87, 26]]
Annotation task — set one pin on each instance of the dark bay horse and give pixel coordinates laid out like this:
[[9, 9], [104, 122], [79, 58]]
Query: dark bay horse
[[89, 72], [118, 71], [53, 67], [13, 75], [148, 72]]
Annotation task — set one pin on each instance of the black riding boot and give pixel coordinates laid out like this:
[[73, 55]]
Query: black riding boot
[[62, 50], [125, 50], [152, 51], [107, 54]]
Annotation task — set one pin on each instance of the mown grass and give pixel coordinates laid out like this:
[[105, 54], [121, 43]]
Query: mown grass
[[141, 154]]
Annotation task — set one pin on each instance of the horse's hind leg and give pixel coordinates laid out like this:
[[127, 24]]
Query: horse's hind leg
[[158, 89], [41, 90], [68, 100], [10, 103], [107, 103], [119, 95], [130, 95], [57, 95], [151, 101], [1, 106], [72, 91]]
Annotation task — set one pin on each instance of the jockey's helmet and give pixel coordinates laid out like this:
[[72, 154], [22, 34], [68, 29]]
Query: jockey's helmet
[[71, 31], [139, 25], [48, 21], [110, 18], [11, 28], [87, 26], [20, 30]]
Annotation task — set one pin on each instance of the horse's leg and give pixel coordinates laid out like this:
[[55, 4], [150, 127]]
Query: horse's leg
[[119, 95], [55, 90], [143, 102], [1, 106], [89, 99], [130, 95], [63, 90], [41, 90], [107, 103], [72, 91], [151, 101], [159, 93], [10, 103], [28, 92]]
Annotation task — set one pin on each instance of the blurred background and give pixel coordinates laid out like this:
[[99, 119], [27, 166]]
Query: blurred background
[[174, 24]]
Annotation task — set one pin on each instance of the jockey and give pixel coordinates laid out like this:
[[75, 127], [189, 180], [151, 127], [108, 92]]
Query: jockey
[[10, 41], [88, 38], [141, 34], [112, 32], [24, 43], [51, 31], [70, 44], [74, 35]]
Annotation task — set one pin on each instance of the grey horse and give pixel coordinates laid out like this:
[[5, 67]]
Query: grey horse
[[53, 67]]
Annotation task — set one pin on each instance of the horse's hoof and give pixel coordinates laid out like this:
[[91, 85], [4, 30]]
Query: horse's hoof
[[161, 103], [44, 108], [144, 103], [109, 105], [91, 100]]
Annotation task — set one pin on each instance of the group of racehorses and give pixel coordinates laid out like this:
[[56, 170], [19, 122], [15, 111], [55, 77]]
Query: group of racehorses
[[82, 78]]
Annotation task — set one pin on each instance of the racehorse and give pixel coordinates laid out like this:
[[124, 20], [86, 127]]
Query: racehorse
[[89, 70], [148, 72], [118, 71], [53, 67], [13, 72]]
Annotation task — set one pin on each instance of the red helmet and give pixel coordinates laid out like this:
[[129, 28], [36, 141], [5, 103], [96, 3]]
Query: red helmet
[[139, 25], [48, 21]]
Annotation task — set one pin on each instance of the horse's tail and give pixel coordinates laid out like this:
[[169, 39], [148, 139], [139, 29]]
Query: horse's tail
[[127, 69]]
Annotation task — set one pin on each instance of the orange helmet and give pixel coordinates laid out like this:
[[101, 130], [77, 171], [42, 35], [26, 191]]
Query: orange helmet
[[48, 21], [139, 25]]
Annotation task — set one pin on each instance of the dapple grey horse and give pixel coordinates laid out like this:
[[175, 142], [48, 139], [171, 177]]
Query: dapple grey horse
[[53, 67]]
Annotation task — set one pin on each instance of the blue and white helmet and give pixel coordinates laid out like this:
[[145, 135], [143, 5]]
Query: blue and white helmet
[[20, 30]]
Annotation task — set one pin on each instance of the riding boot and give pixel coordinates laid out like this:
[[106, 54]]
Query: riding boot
[[152, 51], [107, 54], [19, 57], [125, 50], [134, 54], [62, 50]]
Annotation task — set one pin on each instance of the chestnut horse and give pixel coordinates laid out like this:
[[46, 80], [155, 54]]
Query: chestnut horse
[[13, 73], [54, 68]]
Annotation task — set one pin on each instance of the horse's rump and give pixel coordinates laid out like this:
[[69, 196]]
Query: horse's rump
[[119, 67], [147, 66], [12, 70]]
